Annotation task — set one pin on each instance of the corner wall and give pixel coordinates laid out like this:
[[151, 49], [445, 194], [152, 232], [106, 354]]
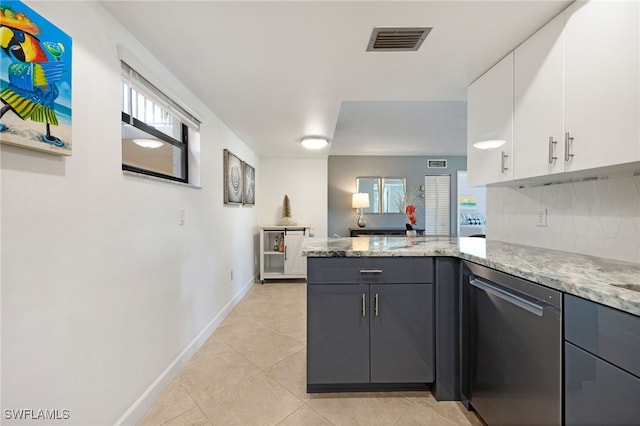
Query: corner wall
[[104, 295], [304, 181]]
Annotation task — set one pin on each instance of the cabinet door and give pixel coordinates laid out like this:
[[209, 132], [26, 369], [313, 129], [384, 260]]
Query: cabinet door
[[295, 263], [602, 83], [490, 117], [539, 103], [598, 393], [337, 333], [402, 333]]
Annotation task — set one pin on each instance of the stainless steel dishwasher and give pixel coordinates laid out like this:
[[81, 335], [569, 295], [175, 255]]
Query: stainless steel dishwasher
[[511, 360]]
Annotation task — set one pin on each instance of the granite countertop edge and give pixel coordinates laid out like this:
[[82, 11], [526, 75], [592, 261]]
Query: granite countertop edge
[[602, 280]]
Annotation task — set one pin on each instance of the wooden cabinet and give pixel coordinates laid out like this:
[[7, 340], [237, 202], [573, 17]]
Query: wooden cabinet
[[577, 91], [602, 367], [490, 117], [369, 321], [280, 252]]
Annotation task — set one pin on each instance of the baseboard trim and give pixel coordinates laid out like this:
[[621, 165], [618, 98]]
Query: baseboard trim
[[142, 404]]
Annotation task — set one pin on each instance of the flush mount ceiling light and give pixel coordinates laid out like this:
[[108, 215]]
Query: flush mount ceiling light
[[148, 143], [490, 144], [314, 142]]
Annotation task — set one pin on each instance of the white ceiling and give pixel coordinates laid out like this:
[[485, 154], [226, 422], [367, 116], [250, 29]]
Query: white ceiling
[[274, 71]]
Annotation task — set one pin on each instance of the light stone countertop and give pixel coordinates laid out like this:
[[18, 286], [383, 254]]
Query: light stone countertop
[[613, 283]]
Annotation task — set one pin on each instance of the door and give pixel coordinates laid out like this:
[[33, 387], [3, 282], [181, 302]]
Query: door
[[490, 118], [602, 60], [401, 333], [294, 263], [337, 333], [597, 392], [437, 205], [538, 140]]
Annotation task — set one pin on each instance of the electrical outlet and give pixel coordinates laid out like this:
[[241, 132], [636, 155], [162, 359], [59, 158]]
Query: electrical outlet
[[541, 217], [182, 217]]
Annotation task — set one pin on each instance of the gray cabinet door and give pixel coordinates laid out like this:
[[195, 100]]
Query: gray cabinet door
[[401, 333], [598, 393], [337, 333]]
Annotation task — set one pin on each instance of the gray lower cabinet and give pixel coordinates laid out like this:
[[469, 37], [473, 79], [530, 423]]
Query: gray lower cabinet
[[376, 331], [602, 366], [337, 334]]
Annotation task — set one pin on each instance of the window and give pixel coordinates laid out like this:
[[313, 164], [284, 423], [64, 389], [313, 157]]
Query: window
[[155, 130]]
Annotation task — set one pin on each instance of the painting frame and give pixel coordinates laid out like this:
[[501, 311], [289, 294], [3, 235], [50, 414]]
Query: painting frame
[[248, 184], [35, 82], [233, 173]]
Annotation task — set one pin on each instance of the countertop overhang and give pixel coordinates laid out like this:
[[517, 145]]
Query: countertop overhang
[[611, 282]]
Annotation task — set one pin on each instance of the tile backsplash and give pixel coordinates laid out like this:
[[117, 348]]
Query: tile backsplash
[[599, 217]]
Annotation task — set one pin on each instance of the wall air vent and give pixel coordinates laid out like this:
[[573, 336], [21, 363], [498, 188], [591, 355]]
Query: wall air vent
[[388, 39], [436, 164]]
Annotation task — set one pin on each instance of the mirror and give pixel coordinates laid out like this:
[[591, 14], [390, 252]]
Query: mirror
[[370, 185], [386, 195], [393, 195]]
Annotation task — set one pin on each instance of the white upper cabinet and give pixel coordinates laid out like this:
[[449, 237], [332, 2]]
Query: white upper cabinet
[[490, 117], [539, 103], [602, 77], [576, 97]]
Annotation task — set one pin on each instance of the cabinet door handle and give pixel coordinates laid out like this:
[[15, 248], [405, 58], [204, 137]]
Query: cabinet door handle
[[370, 271], [364, 305], [568, 144], [376, 304], [552, 147], [503, 166], [285, 253]]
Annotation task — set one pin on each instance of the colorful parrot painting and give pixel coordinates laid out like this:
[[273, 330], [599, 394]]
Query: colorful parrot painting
[[33, 74]]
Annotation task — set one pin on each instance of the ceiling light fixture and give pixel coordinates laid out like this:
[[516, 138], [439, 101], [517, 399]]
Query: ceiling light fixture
[[314, 142], [490, 144], [148, 143]]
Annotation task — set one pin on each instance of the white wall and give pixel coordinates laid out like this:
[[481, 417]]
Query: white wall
[[599, 218], [102, 290], [304, 181]]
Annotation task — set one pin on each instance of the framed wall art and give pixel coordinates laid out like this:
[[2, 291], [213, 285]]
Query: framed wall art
[[35, 81], [248, 184], [232, 178]]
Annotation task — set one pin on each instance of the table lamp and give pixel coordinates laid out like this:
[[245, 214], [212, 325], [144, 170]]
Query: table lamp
[[360, 201]]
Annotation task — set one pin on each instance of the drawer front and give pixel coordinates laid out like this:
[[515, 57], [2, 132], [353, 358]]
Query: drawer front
[[598, 393], [605, 332], [383, 270]]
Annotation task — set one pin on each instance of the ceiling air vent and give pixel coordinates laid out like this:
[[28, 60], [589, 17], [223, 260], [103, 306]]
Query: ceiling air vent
[[436, 164], [387, 39]]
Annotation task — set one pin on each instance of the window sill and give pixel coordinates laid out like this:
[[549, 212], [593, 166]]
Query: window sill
[[157, 179]]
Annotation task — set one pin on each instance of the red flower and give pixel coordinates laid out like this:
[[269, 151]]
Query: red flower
[[410, 210]]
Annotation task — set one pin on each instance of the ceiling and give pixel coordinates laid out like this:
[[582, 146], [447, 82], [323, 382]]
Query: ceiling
[[274, 71]]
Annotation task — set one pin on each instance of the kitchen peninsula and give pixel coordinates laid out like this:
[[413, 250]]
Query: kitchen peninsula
[[400, 313], [610, 282]]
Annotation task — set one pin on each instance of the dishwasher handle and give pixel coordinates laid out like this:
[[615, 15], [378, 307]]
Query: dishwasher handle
[[508, 296]]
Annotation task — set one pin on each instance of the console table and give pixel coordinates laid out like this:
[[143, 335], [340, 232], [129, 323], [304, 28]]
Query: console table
[[356, 232]]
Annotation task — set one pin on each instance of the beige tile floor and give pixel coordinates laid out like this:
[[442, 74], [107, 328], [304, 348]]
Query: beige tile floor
[[252, 371]]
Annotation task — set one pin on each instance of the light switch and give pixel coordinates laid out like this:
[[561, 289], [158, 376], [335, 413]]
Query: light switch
[[541, 217], [182, 217]]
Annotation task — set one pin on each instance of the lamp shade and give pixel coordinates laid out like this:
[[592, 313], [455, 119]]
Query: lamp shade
[[360, 200]]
